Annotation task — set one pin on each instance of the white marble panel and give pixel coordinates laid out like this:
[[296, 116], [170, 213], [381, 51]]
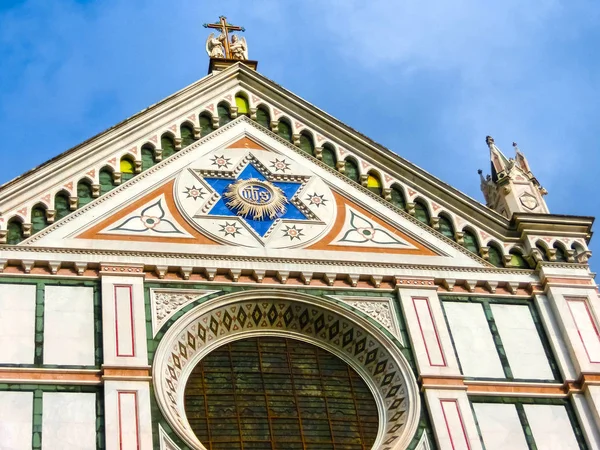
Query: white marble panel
[[124, 321], [522, 342], [16, 420], [453, 420], [473, 340], [586, 327], [429, 333], [69, 325], [17, 323], [455, 424], [500, 426], [128, 419], [69, 421], [551, 427]]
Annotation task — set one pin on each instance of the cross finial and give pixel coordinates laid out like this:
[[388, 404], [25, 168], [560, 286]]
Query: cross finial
[[223, 39]]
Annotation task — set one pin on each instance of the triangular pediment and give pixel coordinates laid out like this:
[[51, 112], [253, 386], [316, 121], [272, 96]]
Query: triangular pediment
[[244, 191]]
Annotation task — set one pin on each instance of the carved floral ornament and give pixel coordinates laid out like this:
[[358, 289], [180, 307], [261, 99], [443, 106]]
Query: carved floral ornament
[[349, 336]]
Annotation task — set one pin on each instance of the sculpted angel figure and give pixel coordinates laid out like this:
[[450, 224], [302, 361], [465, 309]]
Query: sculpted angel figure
[[214, 46], [238, 48]]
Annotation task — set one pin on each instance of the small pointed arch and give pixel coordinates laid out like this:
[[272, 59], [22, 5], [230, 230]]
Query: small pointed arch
[[39, 219], [61, 205], [127, 168], [187, 134], [422, 211], [397, 197], [517, 259], [105, 178], [446, 227], [263, 117], [578, 248], [284, 129], [242, 103], [147, 156], [224, 113], [374, 183], [14, 231], [84, 192], [205, 120], [542, 248], [328, 155], [351, 169], [495, 254], [167, 143], [470, 240], [561, 253], [307, 143]]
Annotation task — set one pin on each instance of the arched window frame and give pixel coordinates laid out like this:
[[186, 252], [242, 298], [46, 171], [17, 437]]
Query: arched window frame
[[188, 137], [127, 167], [103, 180], [543, 249], [518, 259], [39, 221], [495, 254], [328, 155], [422, 214], [242, 103], [284, 129], [473, 245], [83, 198], [263, 116], [224, 113], [205, 120], [62, 208], [307, 143], [561, 252], [167, 144], [14, 230], [147, 155], [374, 183], [354, 174], [398, 196], [446, 226]]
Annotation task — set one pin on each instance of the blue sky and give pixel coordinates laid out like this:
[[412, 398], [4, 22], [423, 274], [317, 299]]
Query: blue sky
[[427, 79]]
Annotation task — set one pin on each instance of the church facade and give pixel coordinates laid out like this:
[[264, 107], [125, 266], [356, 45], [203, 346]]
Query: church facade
[[232, 268]]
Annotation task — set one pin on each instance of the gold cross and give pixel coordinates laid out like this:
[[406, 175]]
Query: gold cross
[[225, 28]]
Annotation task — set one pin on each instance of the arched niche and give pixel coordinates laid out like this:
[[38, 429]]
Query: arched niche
[[327, 324], [263, 117], [205, 124], [446, 227], [495, 255], [328, 156], [397, 197], [351, 169]]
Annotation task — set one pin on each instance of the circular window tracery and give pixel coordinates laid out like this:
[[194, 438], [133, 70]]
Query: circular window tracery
[[273, 392], [325, 323]]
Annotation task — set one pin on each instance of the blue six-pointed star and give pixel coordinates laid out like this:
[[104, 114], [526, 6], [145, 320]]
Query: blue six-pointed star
[[220, 208]]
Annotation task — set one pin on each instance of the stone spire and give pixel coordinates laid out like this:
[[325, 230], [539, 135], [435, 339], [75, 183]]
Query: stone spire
[[511, 186]]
